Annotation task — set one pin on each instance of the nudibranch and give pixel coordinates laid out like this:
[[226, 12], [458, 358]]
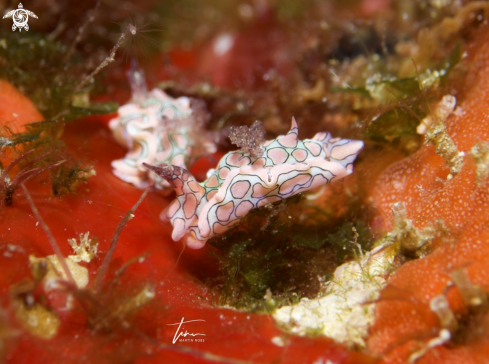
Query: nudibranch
[[156, 128], [240, 182]]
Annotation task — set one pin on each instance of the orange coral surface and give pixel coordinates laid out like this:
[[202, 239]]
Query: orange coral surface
[[17, 110], [420, 181]]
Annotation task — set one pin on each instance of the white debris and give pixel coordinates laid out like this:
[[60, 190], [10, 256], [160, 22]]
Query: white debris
[[277, 340], [223, 43], [55, 272], [86, 250], [345, 311], [443, 337], [442, 111]]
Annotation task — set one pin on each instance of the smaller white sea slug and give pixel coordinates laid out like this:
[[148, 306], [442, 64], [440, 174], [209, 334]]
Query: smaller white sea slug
[[242, 182], [156, 128]]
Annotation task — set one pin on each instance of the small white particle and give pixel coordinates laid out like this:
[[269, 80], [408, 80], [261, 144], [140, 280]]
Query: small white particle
[[223, 44], [277, 340]]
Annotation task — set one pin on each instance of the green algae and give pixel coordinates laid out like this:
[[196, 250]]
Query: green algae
[[36, 65], [400, 121], [272, 259]]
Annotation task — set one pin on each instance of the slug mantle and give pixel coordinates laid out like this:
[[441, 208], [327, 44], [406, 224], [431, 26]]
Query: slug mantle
[[156, 128], [241, 183]]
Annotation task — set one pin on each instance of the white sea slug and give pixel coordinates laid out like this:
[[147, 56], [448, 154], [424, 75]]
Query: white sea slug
[[240, 182], [156, 128]]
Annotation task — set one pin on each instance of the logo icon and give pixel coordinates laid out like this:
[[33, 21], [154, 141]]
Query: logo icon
[[192, 336], [20, 17]]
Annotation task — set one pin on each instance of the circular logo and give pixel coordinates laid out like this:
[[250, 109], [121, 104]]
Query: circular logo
[[20, 18]]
